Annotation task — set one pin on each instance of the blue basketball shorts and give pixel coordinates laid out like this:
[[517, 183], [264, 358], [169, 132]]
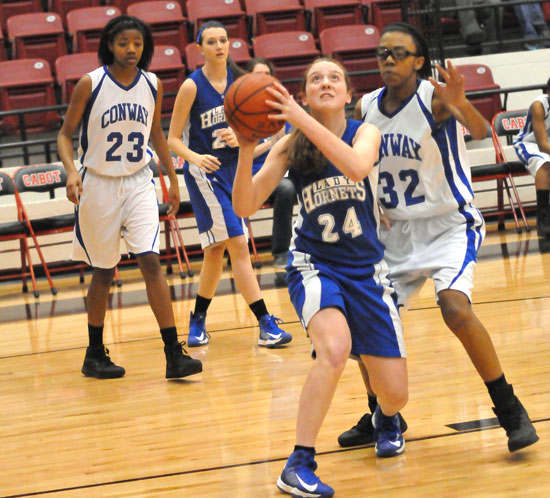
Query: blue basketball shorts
[[363, 295], [210, 196]]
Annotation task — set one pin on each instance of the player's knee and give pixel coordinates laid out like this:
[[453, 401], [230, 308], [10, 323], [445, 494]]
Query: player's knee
[[336, 356], [149, 265], [456, 315], [103, 276]]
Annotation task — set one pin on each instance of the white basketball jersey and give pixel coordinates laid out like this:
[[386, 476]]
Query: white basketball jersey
[[117, 123], [527, 134], [424, 170]]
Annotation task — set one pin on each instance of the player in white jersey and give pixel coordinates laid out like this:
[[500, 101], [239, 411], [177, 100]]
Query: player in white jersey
[[210, 162], [533, 149], [432, 230], [118, 108], [336, 275]]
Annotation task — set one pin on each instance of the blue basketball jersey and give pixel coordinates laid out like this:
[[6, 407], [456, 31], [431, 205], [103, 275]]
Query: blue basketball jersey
[[207, 117], [338, 218], [424, 169]]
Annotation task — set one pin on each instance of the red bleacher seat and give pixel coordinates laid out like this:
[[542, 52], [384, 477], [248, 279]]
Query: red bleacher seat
[[10, 8], [70, 68], [167, 65], [238, 51], [271, 16], [27, 83], [38, 35], [62, 7], [354, 46], [480, 77], [167, 23], [290, 52], [383, 12], [329, 13], [228, 12], [85, 25]]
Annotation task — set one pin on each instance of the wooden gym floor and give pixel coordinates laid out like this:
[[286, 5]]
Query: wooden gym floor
[[228, 431]]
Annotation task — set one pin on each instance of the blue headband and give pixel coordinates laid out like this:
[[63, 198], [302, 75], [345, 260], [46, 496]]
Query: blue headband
[[199, 34], [208, 25]]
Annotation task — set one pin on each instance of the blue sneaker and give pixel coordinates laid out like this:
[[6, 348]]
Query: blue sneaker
[[197, 330], [387, 434], [298, 477], [271, 336]]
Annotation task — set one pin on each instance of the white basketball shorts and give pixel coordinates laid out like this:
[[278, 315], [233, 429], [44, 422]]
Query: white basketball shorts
[[443, 248], [111, 206], [530, 155]]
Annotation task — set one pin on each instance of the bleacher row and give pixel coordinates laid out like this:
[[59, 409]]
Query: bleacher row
[[45, 53]]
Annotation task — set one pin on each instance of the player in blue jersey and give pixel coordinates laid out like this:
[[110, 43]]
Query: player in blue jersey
[[432, 229], [211, 152], [336, 276], [533, 149], [118, 107]]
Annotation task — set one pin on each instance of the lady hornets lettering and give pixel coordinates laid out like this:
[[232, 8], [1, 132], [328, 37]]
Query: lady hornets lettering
[[332, 189]]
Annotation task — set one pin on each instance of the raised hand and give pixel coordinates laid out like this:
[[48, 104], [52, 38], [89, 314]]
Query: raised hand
[[452, 93], [288, 108]]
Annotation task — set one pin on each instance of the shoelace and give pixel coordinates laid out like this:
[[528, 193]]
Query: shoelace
[[273, 321], [365, 422]]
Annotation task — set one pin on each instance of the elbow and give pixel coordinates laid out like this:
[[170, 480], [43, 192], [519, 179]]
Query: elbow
[[241, 211], [482, 132]]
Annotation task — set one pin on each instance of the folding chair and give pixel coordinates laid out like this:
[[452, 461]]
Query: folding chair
[[290, 52], [505, 125], [479, 77], [355, 47], [168, 25], [171, 223], [42, 182], [271, 16], [37, 35], [24, 84], [330, 13], [16, 230], [63, 7], [167, 65], [70, 68], [10, 8], [228, 12], [85, 26], [383, 12]]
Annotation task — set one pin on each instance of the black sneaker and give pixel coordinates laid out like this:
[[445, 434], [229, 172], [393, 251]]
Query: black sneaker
[[98, 364], [363, 432], [518, 427], [179, 363]]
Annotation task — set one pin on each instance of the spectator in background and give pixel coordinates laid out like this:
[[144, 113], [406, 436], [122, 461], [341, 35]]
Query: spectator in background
[[533, 148], [477, 25], [533, 25], [284, 195]]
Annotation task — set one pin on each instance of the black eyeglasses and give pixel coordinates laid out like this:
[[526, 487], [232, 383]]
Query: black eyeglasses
[[397, 53]]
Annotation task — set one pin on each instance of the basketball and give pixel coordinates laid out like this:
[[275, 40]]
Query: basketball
[[245, 108]]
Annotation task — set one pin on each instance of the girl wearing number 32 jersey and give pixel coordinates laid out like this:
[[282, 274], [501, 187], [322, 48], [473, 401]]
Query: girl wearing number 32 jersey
[[431, 228]]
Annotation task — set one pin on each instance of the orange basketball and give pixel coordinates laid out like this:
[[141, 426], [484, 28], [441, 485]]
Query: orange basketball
[[245, 108]]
